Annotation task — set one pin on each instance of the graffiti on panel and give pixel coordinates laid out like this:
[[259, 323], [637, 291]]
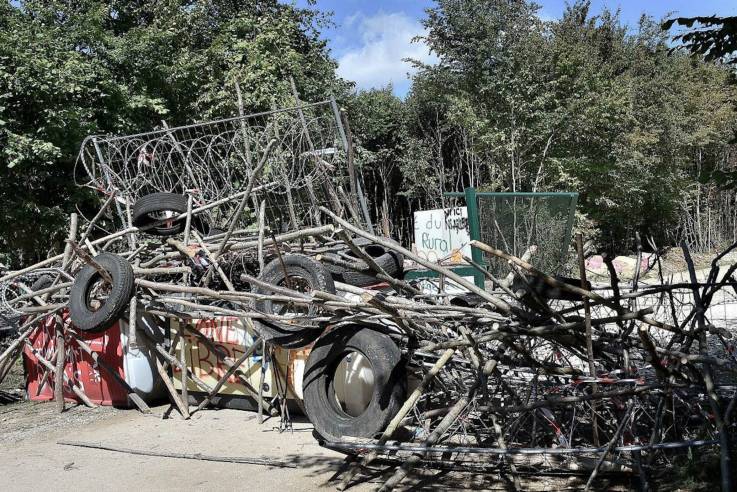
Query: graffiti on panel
[[442, 234]]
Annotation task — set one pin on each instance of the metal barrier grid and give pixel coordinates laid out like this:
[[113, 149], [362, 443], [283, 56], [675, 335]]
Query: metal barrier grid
[[213, 160], [514, 221]]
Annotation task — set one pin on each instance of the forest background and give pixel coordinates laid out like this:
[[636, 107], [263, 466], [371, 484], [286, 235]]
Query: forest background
[[643, 131]]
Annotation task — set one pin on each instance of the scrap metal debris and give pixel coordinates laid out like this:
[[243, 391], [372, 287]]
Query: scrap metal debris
[[261, 218]]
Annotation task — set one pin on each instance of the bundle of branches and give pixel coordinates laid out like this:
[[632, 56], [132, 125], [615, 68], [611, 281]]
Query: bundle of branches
[[534, 373], [600, 379]]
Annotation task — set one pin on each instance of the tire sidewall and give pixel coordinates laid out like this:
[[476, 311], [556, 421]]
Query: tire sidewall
[[386, 261], [318, 277], [389, 390], [156, 202], [118, 299], [390, 261]]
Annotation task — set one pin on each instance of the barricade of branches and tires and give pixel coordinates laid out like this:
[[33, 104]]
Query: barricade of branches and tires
[[531, 374]]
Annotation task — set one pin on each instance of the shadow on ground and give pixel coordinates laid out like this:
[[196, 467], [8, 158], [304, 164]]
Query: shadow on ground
[[426, 478]]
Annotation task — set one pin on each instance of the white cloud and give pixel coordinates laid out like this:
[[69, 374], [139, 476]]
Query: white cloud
[[386, 39]]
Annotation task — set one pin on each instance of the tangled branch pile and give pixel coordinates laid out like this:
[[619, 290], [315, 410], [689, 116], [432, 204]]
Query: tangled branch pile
[[533, 373]]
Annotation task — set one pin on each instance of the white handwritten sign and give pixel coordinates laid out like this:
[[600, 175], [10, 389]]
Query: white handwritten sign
[[442, 234]]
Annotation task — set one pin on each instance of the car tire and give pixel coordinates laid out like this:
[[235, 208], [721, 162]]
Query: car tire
[[310, 275], [390, 261], [389, 382], [82, 315], [361, 279], [146, 209]]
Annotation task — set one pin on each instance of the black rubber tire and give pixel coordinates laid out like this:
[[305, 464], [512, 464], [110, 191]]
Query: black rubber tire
[[360, 279], [390, 382], [159, 202], [81, 315], [391, 262], [42, 282], [398, 258], [298, 266], [343, 249]]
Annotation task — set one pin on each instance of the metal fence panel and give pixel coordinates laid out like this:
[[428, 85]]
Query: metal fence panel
[[514, 221]]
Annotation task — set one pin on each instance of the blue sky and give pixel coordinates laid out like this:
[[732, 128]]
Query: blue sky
[[372, 37]]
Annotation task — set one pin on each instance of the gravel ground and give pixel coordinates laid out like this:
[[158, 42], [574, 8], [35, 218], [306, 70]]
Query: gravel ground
[[29, 433], [36, 460]]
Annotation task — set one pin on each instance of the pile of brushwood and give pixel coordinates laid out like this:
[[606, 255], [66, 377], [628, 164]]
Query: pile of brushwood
[[532, 374]]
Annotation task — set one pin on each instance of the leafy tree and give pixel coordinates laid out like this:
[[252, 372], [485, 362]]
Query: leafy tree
[[515, 103], [377, 123], [581, 104], [490, 55], [70, 69], [715, 39]]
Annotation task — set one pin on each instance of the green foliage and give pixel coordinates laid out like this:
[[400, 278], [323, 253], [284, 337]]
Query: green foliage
[[377, 124], [70, 69], [580, 104], [715, 38]]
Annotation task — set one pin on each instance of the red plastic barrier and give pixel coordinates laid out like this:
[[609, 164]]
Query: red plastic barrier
[[96, 382]]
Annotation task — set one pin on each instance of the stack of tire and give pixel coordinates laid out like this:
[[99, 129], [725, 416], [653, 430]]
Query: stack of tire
[[388, 391], [146, 214], [383, 355], [390, 261]]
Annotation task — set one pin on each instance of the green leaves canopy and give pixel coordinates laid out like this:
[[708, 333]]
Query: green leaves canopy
[[70, 69], [583, 104]]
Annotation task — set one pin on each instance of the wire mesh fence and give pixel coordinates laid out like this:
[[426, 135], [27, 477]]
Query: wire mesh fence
[[214, 160], [516, 221]]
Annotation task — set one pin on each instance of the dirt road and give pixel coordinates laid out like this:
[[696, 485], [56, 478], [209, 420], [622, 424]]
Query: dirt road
[[31, 459]]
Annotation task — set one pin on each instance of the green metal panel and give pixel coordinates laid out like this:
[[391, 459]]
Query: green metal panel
[[477, 202], [463, 271], [474, 231], [511, 194]]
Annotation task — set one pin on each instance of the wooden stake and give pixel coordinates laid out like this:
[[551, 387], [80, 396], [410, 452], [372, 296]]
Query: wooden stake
[[589, 343], [183, 363], [183, 409], [77, 390], [233, 367], [137, 400], [60, 365]]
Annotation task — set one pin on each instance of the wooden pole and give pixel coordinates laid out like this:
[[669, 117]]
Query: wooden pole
[[234, 367], [495, 301], [60, 365], [48, 365], [137, 400], [261, 233], [183, 409], [262, 376], [589, 342], [183, 363]]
